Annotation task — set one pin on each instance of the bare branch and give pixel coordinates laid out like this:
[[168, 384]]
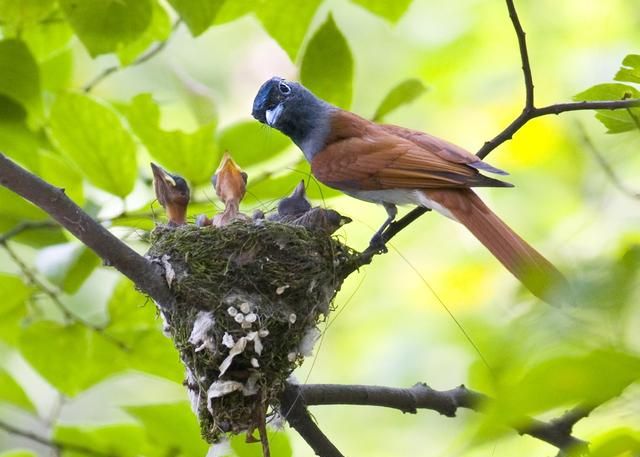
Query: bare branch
[[52, 443], [524, 55], [421, 396], [146, 276], [294, 410], [153, 51]]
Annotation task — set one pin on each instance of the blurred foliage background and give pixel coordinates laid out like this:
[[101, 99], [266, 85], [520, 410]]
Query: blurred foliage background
[[82, 357]]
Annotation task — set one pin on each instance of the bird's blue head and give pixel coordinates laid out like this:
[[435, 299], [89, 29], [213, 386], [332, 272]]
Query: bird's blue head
[[291, 108]]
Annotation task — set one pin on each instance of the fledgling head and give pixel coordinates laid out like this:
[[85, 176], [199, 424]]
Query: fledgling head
[[229, 180], [172, 193], [296, 204], [291, 108]]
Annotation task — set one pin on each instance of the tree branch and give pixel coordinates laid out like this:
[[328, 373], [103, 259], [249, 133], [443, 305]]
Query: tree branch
[[528, 113], [52, 443], [147, 276], [294, 410], [556, 432]]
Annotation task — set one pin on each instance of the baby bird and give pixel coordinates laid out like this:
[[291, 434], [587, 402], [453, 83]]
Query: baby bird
[[230, 183], [172, 193]]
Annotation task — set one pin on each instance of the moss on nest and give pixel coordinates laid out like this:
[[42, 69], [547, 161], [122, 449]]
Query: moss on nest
[[249, 298]]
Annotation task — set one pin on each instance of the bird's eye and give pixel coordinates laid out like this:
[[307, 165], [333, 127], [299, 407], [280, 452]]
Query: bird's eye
[[245, 177], [284, 88]]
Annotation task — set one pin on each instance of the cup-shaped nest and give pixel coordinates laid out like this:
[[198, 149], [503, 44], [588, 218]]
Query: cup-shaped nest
[[249, 298]]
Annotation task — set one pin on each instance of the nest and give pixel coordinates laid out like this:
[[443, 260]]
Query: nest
[[249, 298]]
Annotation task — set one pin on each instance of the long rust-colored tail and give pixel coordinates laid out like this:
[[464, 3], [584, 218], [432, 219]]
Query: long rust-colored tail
[[524, 262]]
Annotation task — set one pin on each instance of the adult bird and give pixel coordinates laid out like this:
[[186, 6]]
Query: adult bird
[[392, 165], [172, 193]]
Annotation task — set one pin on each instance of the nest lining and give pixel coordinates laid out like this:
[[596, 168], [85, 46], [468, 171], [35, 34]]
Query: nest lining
[[249, 297]]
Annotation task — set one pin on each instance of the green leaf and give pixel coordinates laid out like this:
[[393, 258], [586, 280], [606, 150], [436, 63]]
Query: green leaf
[[191, 155], [92, 136], [19, 453], [105, 25], [57, 171], [47, 40], [11, 392], [158, 30], [250, 143], [123, 440], [390, 10], [287, 29], [172, 425], [608, 91], [402, 94], [19, 77], [335, 84], [19, 13], [18, 142], [620, 442], [279, 445], [134, 321], [71, 358], [233, 10], [56, 72], [616, 121], [197, 14], [569, 380], [632, 71], [67, 265]]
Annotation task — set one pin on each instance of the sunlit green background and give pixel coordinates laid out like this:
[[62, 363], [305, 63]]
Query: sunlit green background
[[393, 324]]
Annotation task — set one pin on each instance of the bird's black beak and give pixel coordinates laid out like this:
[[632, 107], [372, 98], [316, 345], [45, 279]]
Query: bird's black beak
[[266, 99]]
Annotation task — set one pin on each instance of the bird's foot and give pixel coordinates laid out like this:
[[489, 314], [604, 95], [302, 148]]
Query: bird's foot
[[378, 244]]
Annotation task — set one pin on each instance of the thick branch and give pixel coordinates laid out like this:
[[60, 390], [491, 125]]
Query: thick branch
[[146, 276], [294, 410], [447, 402], [52, 443]]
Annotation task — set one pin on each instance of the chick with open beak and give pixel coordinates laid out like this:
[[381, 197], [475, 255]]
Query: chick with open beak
[[172, 193], [230, 183]]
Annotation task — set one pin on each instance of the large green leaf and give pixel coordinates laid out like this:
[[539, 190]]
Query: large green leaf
[[123, 440], [287, 24], [11, 392], [19, 13], [233, 10], [92, 136], [158, 30], [191, 155], [334, 82], [19, 77], [172, 425], [105, 25], [71, 358], [619, 120], [197, 14], [56, 170], [620, 442], [48, 39], [21, 144], [390, 10], [250, 143], [134, 321], [630, 72], [568, 380], [67, 265], [405, 92], [12, 307]]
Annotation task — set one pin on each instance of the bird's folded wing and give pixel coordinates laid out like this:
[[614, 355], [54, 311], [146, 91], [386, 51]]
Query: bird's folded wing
[[375, 159]]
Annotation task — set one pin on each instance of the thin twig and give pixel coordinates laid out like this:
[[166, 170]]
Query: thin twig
[[25, 226], [556, 432], [154, 50], [53, 443], [608, 170], [69, 315], [524, 55]]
